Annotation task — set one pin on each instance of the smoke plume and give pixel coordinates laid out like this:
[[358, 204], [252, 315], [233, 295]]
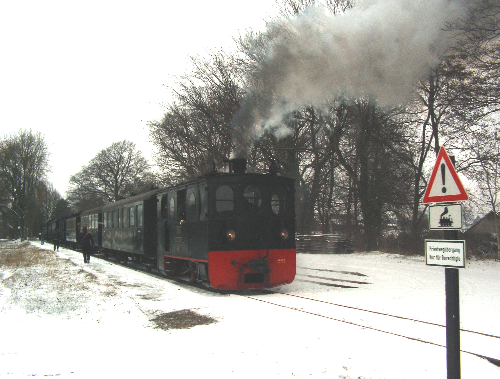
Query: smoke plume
[[378, 49]]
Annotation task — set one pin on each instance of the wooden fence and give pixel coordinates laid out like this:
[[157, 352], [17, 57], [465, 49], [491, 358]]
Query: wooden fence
[[323, 244]]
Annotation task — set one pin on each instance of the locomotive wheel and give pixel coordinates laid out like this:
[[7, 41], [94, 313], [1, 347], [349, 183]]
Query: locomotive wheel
[[194, 272], [172, 267], [192, 276]]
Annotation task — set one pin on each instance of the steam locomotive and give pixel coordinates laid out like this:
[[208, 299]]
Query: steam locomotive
[[234, 230]]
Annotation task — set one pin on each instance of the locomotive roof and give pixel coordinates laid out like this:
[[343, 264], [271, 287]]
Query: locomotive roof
[[265, 176], [227, 175]]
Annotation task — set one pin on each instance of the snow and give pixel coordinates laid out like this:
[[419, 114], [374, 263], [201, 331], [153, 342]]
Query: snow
[[74, 320]]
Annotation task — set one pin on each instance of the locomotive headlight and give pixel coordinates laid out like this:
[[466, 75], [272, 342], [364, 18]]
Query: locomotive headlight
[[230, 235], [284, 234]]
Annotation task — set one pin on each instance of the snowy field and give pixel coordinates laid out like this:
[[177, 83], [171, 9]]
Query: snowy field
[[62, 318]]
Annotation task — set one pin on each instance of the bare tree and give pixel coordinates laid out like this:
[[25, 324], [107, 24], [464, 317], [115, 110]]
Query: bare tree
[[291, 7], [196, 127], [114, 173], [479, 49], [23, 165], [484, 148], [457, 96], [47, 199]]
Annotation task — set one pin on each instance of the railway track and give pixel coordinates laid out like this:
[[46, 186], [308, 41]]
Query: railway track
[[472, 342], [475, 343]]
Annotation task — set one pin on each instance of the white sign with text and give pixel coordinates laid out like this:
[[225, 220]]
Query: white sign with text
[[448, 253]]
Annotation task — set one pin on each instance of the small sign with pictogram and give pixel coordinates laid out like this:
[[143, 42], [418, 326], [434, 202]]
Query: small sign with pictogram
[[445, 216], [444, 184]]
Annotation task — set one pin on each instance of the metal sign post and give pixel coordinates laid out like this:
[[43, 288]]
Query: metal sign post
[[452, 290], [444, 187]]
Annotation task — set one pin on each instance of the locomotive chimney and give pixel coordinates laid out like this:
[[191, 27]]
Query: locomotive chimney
[[237, 165]]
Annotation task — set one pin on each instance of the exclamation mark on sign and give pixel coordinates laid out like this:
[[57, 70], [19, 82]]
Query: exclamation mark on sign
[[443, 176]]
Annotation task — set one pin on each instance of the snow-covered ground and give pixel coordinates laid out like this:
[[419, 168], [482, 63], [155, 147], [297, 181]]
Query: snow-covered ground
[[61, 317]]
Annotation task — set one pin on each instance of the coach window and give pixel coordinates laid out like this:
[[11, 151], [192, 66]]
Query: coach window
[[132, 216], [140, 216], [126, 216], [224, 200]]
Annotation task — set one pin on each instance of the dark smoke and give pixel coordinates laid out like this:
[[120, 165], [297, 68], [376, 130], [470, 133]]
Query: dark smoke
[[378, 49]]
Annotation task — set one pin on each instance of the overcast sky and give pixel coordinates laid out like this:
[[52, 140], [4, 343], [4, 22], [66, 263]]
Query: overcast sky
[[89, 73]]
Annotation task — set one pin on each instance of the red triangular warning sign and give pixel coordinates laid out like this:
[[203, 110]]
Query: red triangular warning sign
[[444, 184]]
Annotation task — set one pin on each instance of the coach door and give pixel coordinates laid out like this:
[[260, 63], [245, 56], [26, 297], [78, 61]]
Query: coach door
[[179, 228]]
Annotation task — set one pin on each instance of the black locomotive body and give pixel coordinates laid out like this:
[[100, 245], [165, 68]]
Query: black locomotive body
[[235, 230]]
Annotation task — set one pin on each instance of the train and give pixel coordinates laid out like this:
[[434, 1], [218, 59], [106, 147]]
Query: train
[[234, 230]]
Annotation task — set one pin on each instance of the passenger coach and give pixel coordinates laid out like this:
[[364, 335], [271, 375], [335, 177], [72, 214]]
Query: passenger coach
[[130, 229]]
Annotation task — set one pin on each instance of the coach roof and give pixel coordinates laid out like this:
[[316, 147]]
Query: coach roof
[[130, 200]]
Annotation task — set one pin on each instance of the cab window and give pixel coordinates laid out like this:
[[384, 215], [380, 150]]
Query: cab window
[[192, 204], [164, 206], [203, 203], [253, 197], [171, 208], [224, 200], [181, 205], [277, 204]]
